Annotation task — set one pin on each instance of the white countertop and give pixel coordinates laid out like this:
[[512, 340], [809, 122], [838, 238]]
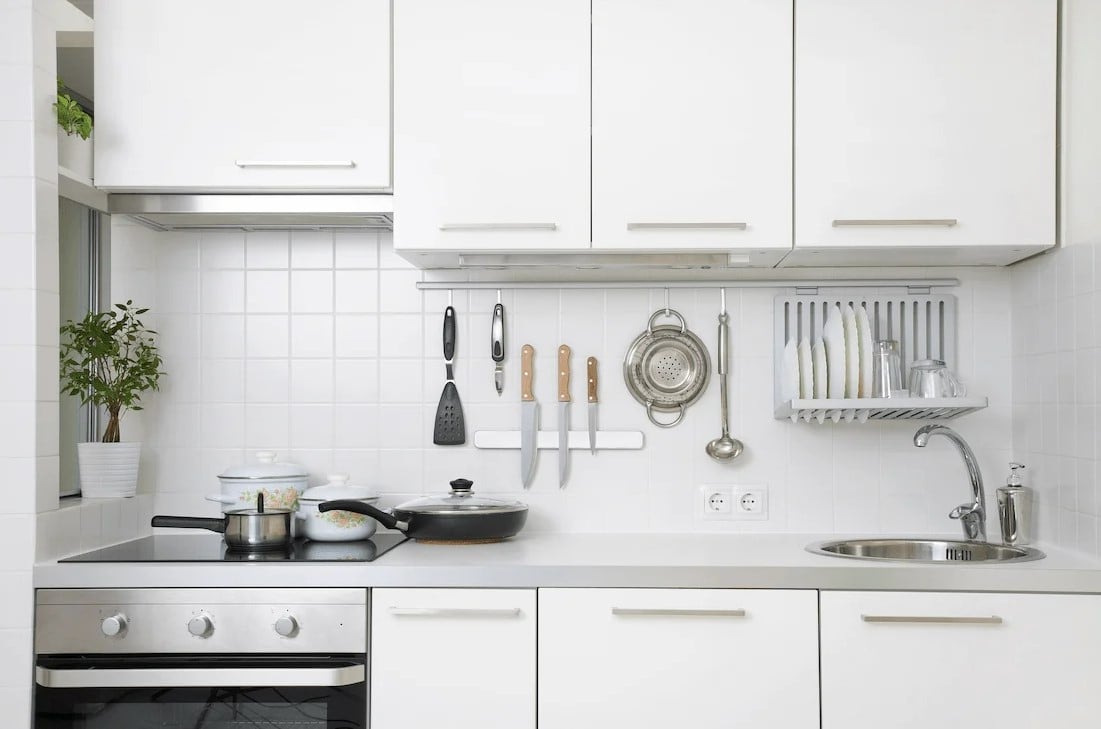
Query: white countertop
[[602, 560]]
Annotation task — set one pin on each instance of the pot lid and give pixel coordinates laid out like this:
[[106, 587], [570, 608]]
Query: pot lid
[[338, 488], [461, 500], [265, 467]]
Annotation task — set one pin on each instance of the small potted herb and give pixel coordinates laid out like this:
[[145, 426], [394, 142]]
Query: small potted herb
[[109, 359], [74, 148]]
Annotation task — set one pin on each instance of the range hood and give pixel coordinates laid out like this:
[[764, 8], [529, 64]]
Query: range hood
[[255, 212]]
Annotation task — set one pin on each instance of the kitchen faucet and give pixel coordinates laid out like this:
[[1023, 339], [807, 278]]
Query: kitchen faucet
[[972, 516]]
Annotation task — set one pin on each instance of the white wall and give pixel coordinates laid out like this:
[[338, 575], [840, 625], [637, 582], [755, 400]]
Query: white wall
[[1057, 314], [319, 346]]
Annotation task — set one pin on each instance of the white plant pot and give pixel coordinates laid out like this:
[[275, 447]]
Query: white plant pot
[[108, 469], [75, 154]]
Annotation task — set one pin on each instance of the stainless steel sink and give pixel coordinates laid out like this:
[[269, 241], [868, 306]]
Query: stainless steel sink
[[935, 551]]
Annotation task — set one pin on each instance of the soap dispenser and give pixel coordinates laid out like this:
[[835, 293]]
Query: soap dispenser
[[1015, 509]]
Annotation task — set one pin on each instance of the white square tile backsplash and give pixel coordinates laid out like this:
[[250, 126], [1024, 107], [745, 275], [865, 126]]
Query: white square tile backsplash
[[337, 364]]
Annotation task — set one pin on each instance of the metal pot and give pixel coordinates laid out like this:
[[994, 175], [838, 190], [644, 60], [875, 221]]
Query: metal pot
[[243, 529], [459, 516]]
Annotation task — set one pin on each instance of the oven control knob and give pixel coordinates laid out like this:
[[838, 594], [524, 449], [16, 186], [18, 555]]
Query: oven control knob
[[200, 626], [114, 625], [286, 626]]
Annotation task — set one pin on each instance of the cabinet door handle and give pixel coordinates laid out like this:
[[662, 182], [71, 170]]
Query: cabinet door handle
[[935, 619], [900, 222], [678, 612], [686, 226], [429, 612], [488, 227], [244, 163]]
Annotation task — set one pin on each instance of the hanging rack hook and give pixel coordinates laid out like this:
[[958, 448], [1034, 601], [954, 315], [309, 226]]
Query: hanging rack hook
[[498, 296], [722, 300], [450, 297], [667, 302]]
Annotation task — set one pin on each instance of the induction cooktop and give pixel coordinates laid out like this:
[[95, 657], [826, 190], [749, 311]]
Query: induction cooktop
[[211, 548]]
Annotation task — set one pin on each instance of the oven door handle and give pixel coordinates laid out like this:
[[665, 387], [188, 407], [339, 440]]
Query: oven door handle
[[201, 677]]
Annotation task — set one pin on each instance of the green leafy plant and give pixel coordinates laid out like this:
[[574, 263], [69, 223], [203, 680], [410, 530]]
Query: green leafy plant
[[70, 115], [109, 358]]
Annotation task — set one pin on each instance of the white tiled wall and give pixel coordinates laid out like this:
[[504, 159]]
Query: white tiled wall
[[320, 346], [1057, 315]]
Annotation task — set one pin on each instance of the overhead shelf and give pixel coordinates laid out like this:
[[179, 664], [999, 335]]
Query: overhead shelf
[[861, 410]]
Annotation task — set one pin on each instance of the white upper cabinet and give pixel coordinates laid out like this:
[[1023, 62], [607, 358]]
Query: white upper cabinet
[[705, 659], [692, 125], [926, 125], [982, 661], [243, 95], [491, 121], [454, 658]]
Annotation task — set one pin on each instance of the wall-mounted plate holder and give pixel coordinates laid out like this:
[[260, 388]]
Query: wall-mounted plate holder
[[924, 325], [606, 440]]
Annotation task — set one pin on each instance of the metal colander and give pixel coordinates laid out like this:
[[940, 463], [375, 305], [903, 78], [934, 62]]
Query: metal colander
[[666, 368]]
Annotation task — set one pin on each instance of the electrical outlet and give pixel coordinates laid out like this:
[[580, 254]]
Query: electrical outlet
[[749, 503], [717, 501]]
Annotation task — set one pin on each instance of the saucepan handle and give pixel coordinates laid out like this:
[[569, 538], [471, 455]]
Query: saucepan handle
[[190, 522]]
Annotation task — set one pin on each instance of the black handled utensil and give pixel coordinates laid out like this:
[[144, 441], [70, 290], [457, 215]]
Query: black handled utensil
[[497, 347], [450, 428]]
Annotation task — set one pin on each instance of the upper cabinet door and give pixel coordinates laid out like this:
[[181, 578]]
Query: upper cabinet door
[[692, 125], [491, 120], [925, 123], [243, 95]]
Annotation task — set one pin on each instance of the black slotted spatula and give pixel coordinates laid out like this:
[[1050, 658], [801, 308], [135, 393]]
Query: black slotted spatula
[[450, 426]]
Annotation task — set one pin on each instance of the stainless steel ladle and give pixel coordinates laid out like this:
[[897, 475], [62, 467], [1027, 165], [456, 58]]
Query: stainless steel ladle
[[724, 448]]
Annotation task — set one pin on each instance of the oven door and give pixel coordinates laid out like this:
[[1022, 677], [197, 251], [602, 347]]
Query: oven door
[[200, 692]]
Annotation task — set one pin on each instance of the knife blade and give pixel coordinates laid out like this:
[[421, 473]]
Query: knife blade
[[563, 413], [529, 415], [497, 347], [593, 403]]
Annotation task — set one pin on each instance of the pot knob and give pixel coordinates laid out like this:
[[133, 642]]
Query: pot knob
[[462, 485], [286, 626], [201, 626], [114, 625]]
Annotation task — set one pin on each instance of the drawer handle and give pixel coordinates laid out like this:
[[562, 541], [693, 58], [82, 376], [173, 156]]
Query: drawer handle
[[686, 226], [936, 619], [417, 612], [245, 163], [487, 227], [675, 612], [942, 222]]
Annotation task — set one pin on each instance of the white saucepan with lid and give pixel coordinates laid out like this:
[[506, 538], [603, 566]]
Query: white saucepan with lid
[[335, 526], [280, 483]]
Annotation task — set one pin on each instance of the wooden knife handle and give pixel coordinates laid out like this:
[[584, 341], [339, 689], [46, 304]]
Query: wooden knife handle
[[564, 373], [527, 359], [591, 364]]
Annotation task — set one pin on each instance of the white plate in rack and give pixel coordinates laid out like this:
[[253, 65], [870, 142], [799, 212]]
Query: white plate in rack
[[852, 353], [864, 334], [806, 369], [834, 336]]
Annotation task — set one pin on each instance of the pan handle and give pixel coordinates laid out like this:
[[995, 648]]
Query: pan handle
[[387, 520], [190, 522]]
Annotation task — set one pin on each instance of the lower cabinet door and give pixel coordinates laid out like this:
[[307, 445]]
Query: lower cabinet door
[[975, 661], [454, 658], [701, 659]]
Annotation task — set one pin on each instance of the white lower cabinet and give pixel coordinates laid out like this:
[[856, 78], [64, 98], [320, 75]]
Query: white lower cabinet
[[678, 658], [910, 660], [455, 658]]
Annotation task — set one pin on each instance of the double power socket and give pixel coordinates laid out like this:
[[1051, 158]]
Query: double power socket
[[726, 502]]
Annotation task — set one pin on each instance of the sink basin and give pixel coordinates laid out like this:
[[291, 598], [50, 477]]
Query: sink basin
[[934, 551]]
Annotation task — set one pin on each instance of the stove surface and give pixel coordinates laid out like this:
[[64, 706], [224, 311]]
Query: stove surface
[[211, 548]]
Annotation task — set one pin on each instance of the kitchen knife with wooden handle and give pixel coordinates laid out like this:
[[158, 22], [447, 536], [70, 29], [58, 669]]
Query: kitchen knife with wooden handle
[[529, 415], [593, 402], [563, 413]]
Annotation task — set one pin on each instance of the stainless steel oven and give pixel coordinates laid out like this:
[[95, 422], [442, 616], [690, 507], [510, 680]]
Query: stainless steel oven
[[201, 659]]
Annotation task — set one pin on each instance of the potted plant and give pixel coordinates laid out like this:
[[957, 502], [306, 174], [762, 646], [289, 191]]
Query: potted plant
[[74, 148], [109, 359]]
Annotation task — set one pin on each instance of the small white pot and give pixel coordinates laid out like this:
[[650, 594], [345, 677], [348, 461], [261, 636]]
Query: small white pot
[[76, 154], [108, 469], [335, 526]]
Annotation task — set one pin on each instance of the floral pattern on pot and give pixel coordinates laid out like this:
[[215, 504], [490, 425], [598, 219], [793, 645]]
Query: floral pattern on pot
[[344, 519], [286, 498]]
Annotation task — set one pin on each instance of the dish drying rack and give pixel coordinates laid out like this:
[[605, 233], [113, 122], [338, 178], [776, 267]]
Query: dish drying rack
[[923, 324]]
